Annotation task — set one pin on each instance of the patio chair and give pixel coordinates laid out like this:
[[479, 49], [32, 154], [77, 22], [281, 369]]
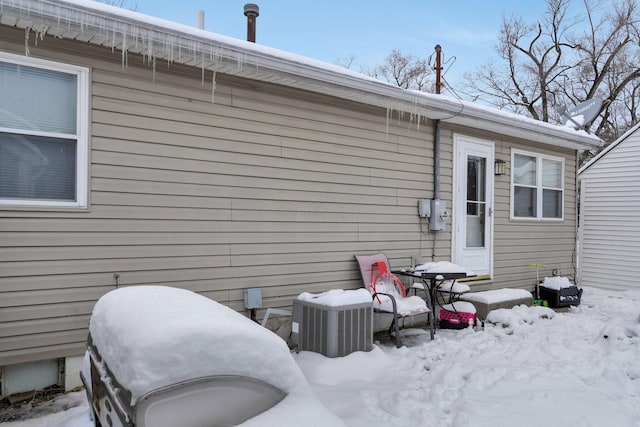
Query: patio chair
[[389, 294]]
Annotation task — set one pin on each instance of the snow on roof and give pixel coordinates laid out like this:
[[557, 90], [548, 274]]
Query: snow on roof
[[155, 336], [158, 39]]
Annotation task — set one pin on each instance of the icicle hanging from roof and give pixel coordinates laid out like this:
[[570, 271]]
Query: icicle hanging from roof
[[386, 130], [26, 41], [213, 87], [155, 39]]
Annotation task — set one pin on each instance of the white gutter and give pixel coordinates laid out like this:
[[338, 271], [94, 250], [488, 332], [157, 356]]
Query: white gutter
[[132, 32]]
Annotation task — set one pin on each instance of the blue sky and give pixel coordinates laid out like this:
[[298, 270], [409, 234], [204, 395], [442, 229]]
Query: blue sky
[[329, 30]]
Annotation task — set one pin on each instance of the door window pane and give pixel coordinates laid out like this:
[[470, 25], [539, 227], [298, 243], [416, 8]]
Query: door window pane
[[476, 228], [476, 201], [476, 167]]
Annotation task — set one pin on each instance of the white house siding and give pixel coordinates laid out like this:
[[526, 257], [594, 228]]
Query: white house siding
[[609, 218]]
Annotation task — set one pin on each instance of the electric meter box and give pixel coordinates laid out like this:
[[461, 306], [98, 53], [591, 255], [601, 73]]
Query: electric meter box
[[439, 215]]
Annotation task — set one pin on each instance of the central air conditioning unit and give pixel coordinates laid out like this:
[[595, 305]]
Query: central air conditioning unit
[[334, 331]]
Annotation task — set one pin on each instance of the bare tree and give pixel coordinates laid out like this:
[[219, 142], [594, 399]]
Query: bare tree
[[608, 67], [534, 62], [347, 61], [406, 71], [563, 60]]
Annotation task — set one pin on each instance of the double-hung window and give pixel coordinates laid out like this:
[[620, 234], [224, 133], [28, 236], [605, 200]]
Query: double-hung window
[[537, 186], [43, 133]]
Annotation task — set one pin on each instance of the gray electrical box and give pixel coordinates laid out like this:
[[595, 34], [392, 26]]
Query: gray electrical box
[[424, 208], [253, 298], [439, 215]]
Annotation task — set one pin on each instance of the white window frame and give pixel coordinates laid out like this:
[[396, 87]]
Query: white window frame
[[81, 136], [539, 188]]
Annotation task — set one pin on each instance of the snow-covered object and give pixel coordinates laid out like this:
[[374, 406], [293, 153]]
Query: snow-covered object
[[443, 267], [459, 306], [408, 306], [556, 283], [155, 336], [338, 297], [405, 305], [576, 122], [497, 295], [454, 287]]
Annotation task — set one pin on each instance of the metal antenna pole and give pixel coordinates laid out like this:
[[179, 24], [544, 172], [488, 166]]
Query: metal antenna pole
[[438, 68]]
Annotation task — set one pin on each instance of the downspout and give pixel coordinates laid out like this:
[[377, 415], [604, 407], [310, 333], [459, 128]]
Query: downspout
[[436, 143], [436, 160], [578, 185], [436, 133]]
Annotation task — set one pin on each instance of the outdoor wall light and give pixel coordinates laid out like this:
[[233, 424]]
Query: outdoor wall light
[[499, 167]]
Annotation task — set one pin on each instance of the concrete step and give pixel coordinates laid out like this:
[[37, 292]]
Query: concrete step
[[485, 301]]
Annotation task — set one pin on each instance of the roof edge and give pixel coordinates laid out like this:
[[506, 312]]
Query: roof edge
[[123, 29], [608, 148]]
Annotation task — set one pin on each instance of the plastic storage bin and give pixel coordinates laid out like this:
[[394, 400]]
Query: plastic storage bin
[[563, 297]]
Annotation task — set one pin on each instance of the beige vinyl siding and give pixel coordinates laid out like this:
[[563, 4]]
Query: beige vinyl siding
[[610, 223], [518, 243], [263, 187]]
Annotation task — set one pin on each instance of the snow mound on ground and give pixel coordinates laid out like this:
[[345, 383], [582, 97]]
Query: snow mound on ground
[[519, 315], [356, 366]]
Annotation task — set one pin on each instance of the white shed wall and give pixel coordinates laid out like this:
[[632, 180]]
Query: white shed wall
[[609, 246]]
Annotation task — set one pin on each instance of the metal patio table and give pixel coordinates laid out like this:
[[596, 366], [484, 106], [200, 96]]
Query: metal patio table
[[431, 280]]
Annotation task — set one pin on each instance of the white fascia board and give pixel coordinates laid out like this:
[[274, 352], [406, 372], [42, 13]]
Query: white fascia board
[[525, 128]]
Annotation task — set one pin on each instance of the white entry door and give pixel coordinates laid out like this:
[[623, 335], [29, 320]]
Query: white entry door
[[473, 204]]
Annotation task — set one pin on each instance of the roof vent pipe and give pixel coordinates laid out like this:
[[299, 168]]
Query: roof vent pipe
[[251, 11], [201, 19]]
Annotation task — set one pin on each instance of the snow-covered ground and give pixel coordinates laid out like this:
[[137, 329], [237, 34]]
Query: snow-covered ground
[[533, 367]]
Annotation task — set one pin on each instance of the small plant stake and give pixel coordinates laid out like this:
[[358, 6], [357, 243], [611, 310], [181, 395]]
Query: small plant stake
[[538, 300]]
